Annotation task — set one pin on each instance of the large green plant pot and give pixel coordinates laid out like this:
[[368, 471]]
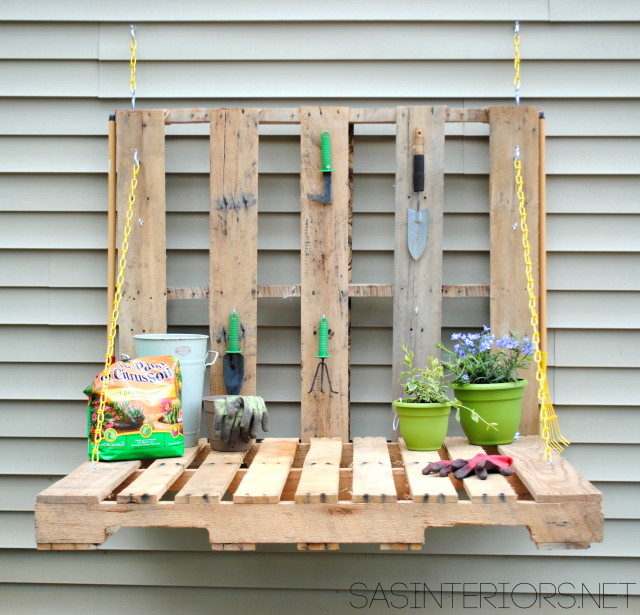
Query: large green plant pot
[[495, 403], [423, 426]]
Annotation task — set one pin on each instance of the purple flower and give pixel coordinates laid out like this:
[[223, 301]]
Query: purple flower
[[456, 336], [508, 342], [459, 350], [464, 377], [486, 329], [528, 347]]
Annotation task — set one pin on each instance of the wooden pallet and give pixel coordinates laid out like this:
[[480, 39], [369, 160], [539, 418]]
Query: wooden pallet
[[322, 491], [319, 495], [325, 286]]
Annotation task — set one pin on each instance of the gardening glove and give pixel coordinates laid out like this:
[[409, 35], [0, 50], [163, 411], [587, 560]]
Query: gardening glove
[[255, 414], [237, 418], [444, 467], [229, 419], [483, 464]]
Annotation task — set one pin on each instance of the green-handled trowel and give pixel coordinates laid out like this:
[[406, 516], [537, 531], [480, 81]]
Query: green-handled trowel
[[233, 361]]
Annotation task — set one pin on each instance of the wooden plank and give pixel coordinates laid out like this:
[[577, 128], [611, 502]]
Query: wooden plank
[[233, 252], [344, 522], [417, 302], [233, 546], [320, 478], [556, 483], [401, 546], [426, 487], [372, 473], [496, 487], [144, 304], [267, 474], [466, 115], [509, 304], [84, 484], [155, 481], [277, 115], [211, 480], [286, 291], [318, 546], [325, 259]]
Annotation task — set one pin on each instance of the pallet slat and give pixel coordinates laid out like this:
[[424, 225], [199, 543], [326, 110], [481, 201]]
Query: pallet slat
[[417, 299], [154, 482], [320, 477], [86, 484], [325, 260], [495, 488], [233, 230], [426, 487], [372, 472], [144, 302], [211, 480], [558, 483], [267, 474], [509, 303], [286, 291], [278, 115]]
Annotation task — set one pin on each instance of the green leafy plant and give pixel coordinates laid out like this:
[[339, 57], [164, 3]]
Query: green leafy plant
[[427, 385]]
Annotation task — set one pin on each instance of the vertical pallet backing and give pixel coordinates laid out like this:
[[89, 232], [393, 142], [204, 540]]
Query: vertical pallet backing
[[325, 286]]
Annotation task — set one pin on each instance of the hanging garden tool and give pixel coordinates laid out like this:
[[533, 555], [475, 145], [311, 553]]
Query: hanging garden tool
[[325, 154], [233, 362], [417, 220], [323, 353]]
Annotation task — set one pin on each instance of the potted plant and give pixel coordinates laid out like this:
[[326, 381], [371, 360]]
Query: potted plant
[[423, 412], [485, 378]]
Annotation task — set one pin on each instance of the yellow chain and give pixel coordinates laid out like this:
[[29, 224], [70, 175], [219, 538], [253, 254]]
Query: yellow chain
[[516, 62], [549, 426], [115, 312], [133, 60]]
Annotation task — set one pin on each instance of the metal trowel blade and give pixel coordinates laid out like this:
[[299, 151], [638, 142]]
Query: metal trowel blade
[[417, 225]]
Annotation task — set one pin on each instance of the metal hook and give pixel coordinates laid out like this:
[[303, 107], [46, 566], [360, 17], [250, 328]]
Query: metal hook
[[516, 27], [136, 160]]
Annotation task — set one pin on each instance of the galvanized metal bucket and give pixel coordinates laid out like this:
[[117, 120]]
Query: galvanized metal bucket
[[191, 350]]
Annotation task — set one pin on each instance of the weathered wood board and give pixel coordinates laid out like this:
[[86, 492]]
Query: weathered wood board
[[144, 303], [233, 231], [324, 279], [509, 304]]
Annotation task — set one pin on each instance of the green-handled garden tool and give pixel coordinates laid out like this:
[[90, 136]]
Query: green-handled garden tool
[[233, 361], [323, 353], [325, 154]]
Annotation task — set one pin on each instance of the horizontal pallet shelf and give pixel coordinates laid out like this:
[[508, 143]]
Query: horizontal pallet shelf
[[319, 495]]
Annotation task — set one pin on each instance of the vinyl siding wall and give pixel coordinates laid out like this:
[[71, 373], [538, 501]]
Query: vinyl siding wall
[[64, 68]]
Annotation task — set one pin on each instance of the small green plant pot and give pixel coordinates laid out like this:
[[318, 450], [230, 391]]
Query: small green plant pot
[[422, 426], [495, 403]]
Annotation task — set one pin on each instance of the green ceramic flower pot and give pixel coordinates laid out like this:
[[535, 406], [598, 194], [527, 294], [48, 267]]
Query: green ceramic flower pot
[[495, 403], [422, 426]]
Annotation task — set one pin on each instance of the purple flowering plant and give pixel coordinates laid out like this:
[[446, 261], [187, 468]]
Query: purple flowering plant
[[481, 358]]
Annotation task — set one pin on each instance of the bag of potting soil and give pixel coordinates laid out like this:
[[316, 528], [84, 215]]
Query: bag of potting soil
[[143, 410]]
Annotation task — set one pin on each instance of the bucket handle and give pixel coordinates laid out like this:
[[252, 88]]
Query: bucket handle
[[214, 352]]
